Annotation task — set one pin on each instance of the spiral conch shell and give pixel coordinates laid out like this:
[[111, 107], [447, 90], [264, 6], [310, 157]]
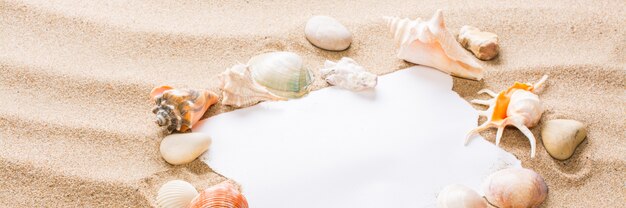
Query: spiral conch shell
[[175, 194], [459, 196], [223, 195], [281, 73], [239, 89], [346, 73], [515, 187], [430, 43], [179, 109], [518, 106]]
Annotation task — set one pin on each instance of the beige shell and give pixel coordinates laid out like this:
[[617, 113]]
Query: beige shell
[[515, 187], [239, 89], [484, 45], [327, 33], [346, 73], [180, 109], [561, 137], [175, 194], [518, 106], [179, 149], [430, 43], [459, 196], [222, 195], [282, 73]]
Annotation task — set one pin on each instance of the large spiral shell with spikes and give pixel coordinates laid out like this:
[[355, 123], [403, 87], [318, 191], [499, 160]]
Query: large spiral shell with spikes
[[223, 195], [180, 109], [430, 43]]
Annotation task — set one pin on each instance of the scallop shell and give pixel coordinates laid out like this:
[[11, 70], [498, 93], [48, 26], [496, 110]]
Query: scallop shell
[[239, 89], [179, 109], [346, 73], [223, 195], [459, 196], [518, 106], [429, 43], [515, 187], [281, 73], [175, 194]]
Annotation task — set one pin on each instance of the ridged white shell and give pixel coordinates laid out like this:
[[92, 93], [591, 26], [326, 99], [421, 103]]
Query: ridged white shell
[[239, 89], [281, 73], [459, 196], [175, 194], [430, 43], [346, 73], [515, 187]]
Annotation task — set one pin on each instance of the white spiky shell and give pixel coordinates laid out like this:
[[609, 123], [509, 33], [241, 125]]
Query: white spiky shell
[[524, 110], [515, 187], [175, 194], [239, 89], [346, 73], [281, 73], [430, 43], [459, 196]]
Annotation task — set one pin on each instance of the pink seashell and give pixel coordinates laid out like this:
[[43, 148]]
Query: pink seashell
[[222, 195]]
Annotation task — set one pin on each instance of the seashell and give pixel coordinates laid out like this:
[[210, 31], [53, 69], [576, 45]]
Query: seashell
[[178, 149], [429, 43], [561, 137], [175, 194], [222, 195], [179, 109], [484, 45], [517, 106], [281, 73], [515, 187], [327, 33], [346, 73], [459, 196], [239, 89]]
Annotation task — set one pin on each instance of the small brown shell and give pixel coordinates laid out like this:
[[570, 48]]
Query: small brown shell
[[179, 109], [223, 195]]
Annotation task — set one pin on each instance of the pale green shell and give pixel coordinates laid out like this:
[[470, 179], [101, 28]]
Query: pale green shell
[[281, 73]]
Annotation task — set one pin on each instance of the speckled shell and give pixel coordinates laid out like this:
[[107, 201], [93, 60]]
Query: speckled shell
[[175, 194], [430, 43], [180, 109], [223, 195], [515, 187], [239, 89], [281, 73]]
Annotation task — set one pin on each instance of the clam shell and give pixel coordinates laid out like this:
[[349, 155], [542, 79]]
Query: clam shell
[[459, 196], [281, 73], [223, 195], [175, 194], [515, 187]]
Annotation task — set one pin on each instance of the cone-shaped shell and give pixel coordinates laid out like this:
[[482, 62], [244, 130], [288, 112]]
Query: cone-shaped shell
[[175, 194], [180, 109], [281, 73], [515, 187], [459, 196], [430, 43], [239, 89], [223, 195]]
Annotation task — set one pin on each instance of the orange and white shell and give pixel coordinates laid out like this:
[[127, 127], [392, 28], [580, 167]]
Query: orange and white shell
[[430, 43], [222, 195], [180, 109], [518, 106], [239, 89]]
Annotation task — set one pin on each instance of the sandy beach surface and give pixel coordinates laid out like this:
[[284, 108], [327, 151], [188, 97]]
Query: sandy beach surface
[[76, 128]]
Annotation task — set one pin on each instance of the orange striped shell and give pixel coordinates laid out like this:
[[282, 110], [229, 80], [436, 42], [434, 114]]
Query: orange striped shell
[[223, 195]]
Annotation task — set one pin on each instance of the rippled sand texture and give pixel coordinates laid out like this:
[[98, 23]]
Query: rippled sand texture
[[76, 127]]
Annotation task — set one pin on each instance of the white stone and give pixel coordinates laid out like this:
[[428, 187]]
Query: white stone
[[327, 33], [397, 145], [561, 137], [178, 149]]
